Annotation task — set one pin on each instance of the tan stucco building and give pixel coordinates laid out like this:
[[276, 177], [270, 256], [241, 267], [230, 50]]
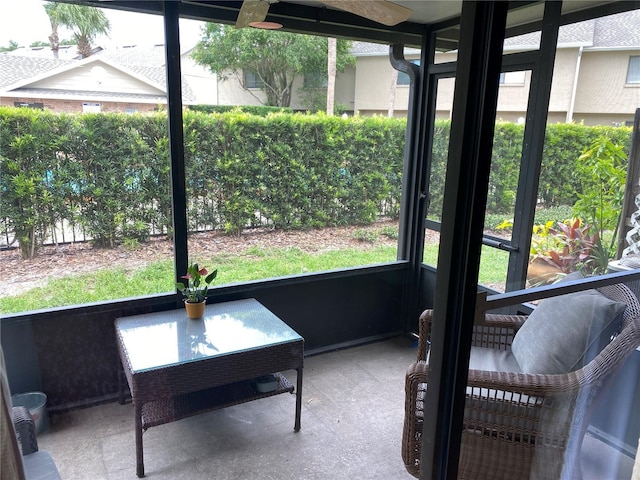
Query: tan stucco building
[[596, 76], [596, 79]]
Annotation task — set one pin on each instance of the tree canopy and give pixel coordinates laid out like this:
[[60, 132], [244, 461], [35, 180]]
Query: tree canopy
[[85, 23], [276, 58], [13, 45]]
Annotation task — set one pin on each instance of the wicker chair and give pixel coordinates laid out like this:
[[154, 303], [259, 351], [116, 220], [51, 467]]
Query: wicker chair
[[38, 464], [20, 458], [517, 425]]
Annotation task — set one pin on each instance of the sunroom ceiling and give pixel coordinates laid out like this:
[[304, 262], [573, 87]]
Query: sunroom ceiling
[[429, 12], [311, 16]]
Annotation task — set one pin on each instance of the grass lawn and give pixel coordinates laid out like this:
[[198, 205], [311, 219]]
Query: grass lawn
[[157, 277], [493, 265], [254, 263]]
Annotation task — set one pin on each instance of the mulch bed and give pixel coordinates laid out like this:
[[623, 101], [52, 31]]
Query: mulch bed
[[52, 262]]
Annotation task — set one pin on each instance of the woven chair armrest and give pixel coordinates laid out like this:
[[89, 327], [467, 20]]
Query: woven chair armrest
[[25, 429], [424, 334], [418, 372], [523, 383], [416, 380], [499, 320], [538, 385]]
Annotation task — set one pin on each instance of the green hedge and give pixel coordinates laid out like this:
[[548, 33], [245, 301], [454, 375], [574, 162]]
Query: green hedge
[[105, 173], [558, 184], [261, 110], [109, 173], [297, 171]]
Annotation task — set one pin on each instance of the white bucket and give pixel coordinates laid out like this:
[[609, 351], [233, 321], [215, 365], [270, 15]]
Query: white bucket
[[36, 402]]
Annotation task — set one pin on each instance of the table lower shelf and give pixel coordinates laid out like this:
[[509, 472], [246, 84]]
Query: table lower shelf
[[168, 410]]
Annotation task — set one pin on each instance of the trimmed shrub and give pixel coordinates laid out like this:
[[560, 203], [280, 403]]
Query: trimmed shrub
[[110, 173], [261, 110]]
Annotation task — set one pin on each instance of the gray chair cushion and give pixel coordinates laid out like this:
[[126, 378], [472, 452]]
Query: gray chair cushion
[[563, 333], [40, 466], [492, 360]]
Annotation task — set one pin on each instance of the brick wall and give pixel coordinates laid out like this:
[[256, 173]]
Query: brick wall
[[69, 106]]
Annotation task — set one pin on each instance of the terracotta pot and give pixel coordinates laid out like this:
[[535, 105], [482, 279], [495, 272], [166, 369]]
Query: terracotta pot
[[195, 310]]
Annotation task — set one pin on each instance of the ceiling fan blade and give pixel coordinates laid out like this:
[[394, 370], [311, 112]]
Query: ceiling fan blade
[[381, 11], [252, 11]]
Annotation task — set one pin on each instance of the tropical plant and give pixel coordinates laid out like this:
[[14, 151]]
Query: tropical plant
[[198, 281], [602, 172], [85, 22], [569, 246], [276, 58], [598, 261]]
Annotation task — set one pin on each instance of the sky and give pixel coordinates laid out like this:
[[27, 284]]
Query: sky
[[25, 21]]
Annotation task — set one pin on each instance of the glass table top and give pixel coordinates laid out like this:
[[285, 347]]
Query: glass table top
[[161, 339]]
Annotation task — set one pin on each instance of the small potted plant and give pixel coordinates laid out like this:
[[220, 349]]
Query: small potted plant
[[194, 290]]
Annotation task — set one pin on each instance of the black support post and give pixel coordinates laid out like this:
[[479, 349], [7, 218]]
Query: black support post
[[474, 109], [533, 143], [176, 136], [414, 199]]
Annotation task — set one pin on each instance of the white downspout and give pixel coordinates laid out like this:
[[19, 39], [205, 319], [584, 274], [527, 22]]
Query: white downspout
[[574, 89]]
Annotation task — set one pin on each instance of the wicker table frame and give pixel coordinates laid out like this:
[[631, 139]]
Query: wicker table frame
[[169, 393]]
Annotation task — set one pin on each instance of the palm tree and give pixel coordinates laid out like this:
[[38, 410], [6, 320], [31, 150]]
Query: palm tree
[[392, 92], [85, 23], [331, 74], [51, 8]]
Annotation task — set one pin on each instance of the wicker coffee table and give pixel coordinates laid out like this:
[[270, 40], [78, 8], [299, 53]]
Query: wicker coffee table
[[177, 367]]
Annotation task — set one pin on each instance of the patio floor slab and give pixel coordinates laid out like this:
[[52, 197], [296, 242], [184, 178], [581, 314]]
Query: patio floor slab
[[352, 413]]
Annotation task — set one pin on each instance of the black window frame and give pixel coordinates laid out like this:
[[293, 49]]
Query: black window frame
[[251, 80], [315, 80]]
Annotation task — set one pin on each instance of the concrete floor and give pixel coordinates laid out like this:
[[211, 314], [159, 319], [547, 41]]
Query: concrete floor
[[352, 413]]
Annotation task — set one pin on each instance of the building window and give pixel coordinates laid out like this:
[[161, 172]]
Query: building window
[[37, 105], [88, 107], [251, 80], [315, 80], [403, 78], [512, 78], [633, 74]]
